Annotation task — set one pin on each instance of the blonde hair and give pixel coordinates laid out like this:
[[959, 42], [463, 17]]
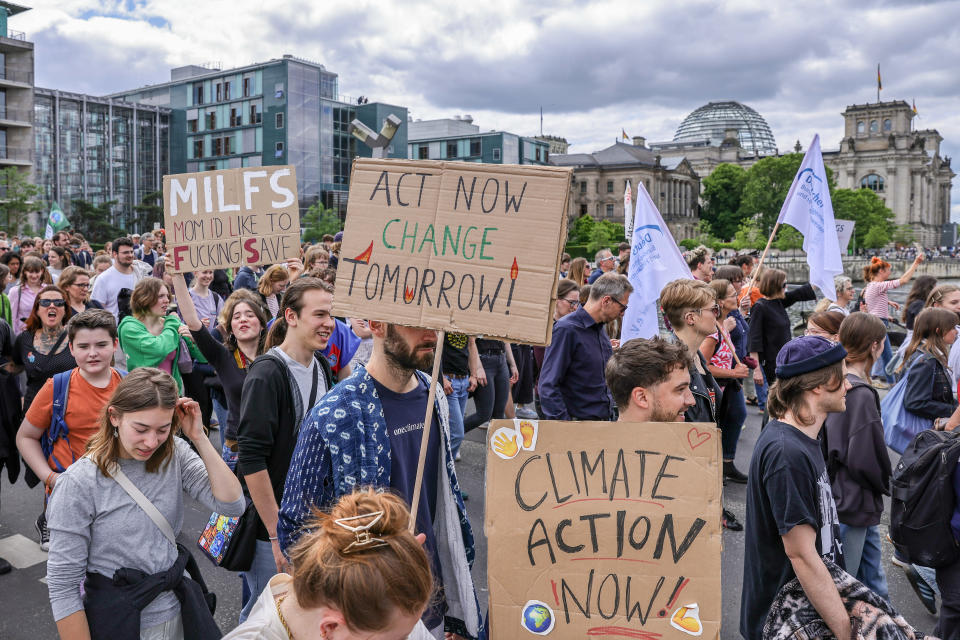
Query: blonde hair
[[142, 389], [684, 295], [578, 271], [367, 583]]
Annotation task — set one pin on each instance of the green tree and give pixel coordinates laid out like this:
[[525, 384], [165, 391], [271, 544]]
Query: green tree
[[17, 199], [319, 221], [94, 220], [600, 237], [749, 236], [581, 230], [722, 195], [766, 187], [868, 211], [148, 212], [788, 238], [903, 234]]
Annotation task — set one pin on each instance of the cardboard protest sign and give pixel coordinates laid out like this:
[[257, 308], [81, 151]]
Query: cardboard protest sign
[[467, 247], [605, 529], [235, 217]]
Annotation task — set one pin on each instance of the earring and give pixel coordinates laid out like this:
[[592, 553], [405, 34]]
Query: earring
[[115, 432]]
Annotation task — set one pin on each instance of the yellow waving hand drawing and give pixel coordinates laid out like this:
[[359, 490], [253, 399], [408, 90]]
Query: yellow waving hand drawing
[[504, 443]]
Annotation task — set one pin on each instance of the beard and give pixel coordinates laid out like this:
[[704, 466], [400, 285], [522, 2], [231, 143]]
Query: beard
[[659, 413], [403, 356]]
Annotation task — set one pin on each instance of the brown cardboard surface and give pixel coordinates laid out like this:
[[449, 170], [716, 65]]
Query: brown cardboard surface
[[612, 527], [466, 247], [231, 218]]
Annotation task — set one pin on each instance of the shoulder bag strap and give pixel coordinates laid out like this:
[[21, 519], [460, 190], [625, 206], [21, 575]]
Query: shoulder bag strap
[[144, 503]]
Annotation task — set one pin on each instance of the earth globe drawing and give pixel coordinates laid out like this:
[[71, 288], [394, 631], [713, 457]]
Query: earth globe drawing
[[537, 618]]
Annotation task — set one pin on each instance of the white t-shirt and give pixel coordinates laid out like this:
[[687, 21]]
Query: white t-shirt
[[304, 377], [107, 287]]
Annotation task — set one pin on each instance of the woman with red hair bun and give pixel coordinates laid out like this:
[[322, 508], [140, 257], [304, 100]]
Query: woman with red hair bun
[[875, 296]]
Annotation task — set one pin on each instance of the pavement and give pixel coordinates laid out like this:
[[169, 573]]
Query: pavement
[[27, 615]]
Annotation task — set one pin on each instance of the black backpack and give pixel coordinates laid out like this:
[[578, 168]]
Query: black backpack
[[923, 499]]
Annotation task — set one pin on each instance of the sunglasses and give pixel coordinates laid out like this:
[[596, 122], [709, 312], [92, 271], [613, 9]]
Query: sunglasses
[[60, 302]]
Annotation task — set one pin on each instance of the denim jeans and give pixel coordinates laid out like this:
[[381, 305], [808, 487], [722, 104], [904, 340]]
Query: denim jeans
[[731, 422], [263, 568], [861, 554], [458, 404], [881, 364], [170, 630], [948, 579], [492, 398]]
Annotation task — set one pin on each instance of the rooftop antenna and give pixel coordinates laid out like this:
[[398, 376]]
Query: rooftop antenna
[[541, 121]]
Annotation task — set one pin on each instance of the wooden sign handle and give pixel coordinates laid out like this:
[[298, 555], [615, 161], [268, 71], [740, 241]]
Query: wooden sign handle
[[425, 438]]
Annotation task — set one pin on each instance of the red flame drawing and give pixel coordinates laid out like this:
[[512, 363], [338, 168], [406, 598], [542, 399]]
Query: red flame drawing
[[364, 257], [407, 294], [514, 270]]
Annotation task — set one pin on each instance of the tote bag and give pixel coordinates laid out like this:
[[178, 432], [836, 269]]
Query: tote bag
[[899, 425]]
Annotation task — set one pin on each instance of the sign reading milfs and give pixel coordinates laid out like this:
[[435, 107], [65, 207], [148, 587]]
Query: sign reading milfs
[[231, 218], [458, 246]]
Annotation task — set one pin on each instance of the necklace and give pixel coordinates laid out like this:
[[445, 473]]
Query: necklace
[[283, 621]]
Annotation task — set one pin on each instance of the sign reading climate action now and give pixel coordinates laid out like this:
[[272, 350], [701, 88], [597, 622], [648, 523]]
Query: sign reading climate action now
[[459, 246], [606, 529], [235, 217]]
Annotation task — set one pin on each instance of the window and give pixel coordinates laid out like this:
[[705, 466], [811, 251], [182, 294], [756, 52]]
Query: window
[[609, 186], [872, 182], [546, 155], [475, 147], [280, 120], [424, 152], [192, 125], [278, 153], [496, 154], [228, 145], [609, 210], [583, 187], [219, 92], [211, 120], [255, 113], [887, 125], [235, 119], [217, 147], [451, 148], [246, 87], [583, 210], [538, 154], [226, 90], [198, 148], [278, 90], [874, 127], [861, 127], [198, 93]]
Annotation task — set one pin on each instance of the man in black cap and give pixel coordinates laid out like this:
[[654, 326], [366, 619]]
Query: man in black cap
[[791, 524]]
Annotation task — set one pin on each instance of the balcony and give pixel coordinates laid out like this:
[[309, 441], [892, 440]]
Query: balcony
[[16, 77], [19, 156], [15, 117], [16, 35]]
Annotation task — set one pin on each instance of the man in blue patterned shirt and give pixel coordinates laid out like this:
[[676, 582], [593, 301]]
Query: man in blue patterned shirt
[[367, 432]]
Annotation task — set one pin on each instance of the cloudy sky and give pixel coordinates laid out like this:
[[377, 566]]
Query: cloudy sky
[[594, 67]]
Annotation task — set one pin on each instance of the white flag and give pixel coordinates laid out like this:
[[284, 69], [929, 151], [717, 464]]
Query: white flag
[[655, 260], [627, 212], [808, 210]]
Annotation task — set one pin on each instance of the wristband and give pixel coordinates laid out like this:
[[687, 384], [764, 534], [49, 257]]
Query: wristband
[[46, 482], [272, 538]]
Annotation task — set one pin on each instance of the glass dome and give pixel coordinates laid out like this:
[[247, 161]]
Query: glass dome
[[711, 121]]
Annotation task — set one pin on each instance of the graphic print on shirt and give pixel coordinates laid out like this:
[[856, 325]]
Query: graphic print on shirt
[[830, 545]]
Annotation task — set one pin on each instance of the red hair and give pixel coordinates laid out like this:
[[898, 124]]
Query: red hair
[[875, 266]]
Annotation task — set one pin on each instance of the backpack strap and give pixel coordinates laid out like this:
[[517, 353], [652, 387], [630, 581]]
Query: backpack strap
[[58, 426]]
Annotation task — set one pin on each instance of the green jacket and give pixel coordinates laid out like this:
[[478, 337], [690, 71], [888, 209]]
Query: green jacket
[[6, 311], [143, 349]]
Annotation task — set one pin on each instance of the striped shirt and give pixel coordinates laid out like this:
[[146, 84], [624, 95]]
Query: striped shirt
[[875, 295]]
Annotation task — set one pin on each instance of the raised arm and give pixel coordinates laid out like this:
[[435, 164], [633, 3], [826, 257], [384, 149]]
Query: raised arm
[[184, 301], [905, 278]]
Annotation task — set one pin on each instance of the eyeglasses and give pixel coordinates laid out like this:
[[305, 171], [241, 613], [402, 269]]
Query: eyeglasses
[[715, 310], [572, 303], [56, 303], [623, 307], [82, 285]]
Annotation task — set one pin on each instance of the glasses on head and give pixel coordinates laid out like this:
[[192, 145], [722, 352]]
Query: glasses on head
[[47, 302], [573, 303]]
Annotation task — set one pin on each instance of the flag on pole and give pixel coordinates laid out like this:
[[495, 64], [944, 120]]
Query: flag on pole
[[627, 212], [879, 80], [56, 221], [915, 107], [624, 132], [655, 260], [808, 210]]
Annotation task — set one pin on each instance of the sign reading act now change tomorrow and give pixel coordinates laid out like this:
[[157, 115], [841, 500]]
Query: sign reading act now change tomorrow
[[605, 529], [231, 218], [459, 246]]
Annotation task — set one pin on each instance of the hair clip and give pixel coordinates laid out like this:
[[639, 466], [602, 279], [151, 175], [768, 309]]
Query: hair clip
[[364, 539]]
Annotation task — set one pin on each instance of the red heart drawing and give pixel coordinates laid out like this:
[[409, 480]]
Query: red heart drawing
[[696, 438]]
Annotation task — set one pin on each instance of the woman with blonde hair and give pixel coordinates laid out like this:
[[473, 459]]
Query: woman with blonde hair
[[359, 573], [75, 284], [115, 513], [271, 286], [579, 271], [151, 338]]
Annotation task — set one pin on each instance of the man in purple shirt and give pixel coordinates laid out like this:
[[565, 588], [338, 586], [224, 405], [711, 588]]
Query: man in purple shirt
[[572, 383]]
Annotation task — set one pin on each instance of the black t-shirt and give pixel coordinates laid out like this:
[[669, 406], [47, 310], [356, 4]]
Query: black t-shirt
[[403, 413], [788, 486], [455, 360], [39, 367], [489, 346]]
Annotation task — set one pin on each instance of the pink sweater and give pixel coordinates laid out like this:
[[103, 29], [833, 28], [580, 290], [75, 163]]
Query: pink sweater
[[875, 295]]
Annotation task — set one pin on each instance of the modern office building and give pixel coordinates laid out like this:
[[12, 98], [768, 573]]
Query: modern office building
[[283, 111], [98, 150], [457, 138], [16, 93]]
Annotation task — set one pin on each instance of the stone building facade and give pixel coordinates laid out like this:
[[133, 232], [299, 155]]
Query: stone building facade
[[600, 179]]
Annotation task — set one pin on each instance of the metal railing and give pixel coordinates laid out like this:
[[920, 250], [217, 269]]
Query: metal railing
[[17, 154], [16, 35], [16, 75], [17, 115]]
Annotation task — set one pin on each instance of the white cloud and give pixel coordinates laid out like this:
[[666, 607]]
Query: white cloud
[[595, 67]]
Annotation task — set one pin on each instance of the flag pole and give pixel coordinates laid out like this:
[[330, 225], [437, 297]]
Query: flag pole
[[425, 438], [763, 256]]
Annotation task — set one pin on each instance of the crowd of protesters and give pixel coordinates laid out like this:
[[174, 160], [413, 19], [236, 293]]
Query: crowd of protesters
[[119, 375]]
